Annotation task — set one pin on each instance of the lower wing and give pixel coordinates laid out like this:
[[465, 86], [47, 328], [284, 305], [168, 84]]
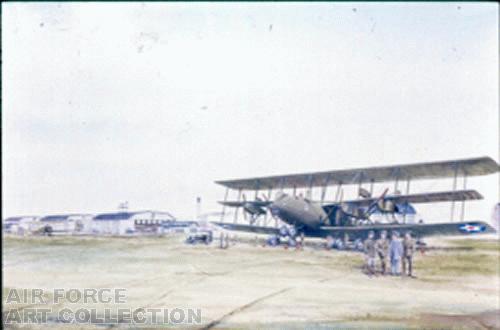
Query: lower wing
[[419, 230], [248, 228]]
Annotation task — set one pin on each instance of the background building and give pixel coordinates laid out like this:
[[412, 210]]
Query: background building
[[150, 222], [21, 225], [122, 223], [67, 223]]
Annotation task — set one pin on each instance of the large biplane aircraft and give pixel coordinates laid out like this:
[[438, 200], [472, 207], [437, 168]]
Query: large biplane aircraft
[[355, 218]]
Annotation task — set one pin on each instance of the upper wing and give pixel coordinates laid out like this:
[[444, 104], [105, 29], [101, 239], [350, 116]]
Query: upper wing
[[419, 230], [433, 197], [444, 196], [432, 170], [242, 203], [248, 228]]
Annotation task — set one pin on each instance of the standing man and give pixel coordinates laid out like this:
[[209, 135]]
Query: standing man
[[346, 240], [369, 248], [396, 253], [329, 242], [408, 249], [221, 240], [382, 248], [300, 245]]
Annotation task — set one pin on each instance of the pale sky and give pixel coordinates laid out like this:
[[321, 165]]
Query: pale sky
[[151, 103]]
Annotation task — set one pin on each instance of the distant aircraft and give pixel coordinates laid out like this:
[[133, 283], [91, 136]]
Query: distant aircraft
[[356, 218]]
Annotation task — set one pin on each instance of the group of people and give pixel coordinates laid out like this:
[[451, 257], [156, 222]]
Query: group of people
[[399, 252]]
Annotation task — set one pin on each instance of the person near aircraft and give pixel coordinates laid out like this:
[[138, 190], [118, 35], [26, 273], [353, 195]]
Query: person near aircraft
[[396, 253], [301, 241], [346, 241], [369, 249], [382, 248], [221, 240], [408, 250], [330, 242]]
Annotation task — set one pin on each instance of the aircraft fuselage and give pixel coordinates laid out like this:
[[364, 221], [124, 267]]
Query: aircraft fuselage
[[298, 211]]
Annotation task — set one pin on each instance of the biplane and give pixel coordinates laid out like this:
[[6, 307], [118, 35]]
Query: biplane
[[355, 218]]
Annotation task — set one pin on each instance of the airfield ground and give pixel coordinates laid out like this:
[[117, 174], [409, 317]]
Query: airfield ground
[[250, 286]]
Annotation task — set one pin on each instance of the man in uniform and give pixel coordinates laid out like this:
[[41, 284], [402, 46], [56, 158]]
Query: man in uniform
[[369, 248], [301, 242], [396, 253], [408, 249], [382, 248], [346, 240], [329, 242]]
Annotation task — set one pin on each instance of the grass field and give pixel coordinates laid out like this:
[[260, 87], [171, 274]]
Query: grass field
[[248, 286]]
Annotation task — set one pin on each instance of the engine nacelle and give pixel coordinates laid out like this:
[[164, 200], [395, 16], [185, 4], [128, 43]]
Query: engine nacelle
[[283, 231]]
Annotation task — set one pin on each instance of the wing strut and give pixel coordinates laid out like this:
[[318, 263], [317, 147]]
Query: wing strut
[[397, 172], [407, 193], [267, 209], [309, 189], [360, 184], [235, 219], [323, 191], [224, 206], [371, 187], [257, 187], [462, 211], [455, 183], [337, 195], [454, 189]]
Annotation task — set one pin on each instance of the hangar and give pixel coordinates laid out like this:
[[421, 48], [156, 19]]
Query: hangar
[[20, 225], [122, 223], [67, 223]]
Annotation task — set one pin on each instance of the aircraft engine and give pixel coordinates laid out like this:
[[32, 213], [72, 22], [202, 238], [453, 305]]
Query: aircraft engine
[[363, 193], [284, 231], [386, 205], [389, 206], [253, 209]]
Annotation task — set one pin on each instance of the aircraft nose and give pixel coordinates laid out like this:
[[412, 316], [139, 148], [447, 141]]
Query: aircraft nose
[[280, 195], [274, 209]]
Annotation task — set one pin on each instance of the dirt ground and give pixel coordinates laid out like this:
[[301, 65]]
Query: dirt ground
[[251, 286]]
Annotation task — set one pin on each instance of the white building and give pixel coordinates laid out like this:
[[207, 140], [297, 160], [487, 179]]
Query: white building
[[67, 223], [21, 225], [151, 222], [175, 226], [120, 223], [123, 223]]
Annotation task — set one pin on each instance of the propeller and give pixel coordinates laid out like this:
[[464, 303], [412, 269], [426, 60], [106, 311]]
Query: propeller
[[253, 208], [375, 203], [371, 208]]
